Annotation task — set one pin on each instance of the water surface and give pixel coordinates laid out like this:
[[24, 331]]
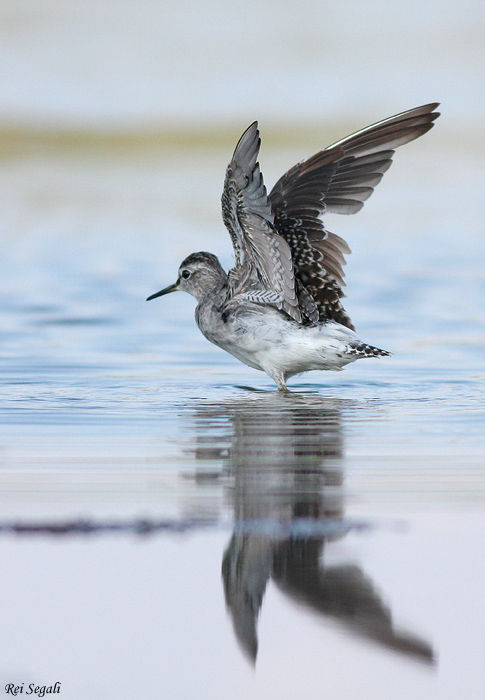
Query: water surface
[[172, 526]]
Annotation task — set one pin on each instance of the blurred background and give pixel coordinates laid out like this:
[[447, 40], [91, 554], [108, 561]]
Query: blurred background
[[113, 67], [117, 121]]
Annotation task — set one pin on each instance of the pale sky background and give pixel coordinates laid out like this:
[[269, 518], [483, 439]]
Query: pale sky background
[[116, 63]]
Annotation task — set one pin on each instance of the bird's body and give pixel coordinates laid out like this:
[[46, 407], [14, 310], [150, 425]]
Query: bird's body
[[264, 338], [279, 310]]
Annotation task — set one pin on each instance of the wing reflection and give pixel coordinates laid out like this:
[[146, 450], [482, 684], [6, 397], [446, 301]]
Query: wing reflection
[[284, 458]]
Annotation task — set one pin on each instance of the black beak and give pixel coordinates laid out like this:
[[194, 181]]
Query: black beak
[[167, 290]]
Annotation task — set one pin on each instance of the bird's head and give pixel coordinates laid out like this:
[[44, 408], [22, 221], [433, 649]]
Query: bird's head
[[199, 274]]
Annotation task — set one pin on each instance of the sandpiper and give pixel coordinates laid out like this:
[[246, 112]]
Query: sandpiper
[[279, 309]]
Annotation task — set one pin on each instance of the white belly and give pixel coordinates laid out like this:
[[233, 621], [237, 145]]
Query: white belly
[[264, 339]]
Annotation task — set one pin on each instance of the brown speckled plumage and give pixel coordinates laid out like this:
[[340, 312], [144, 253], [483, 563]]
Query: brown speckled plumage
[[338, 180], [279, 309]]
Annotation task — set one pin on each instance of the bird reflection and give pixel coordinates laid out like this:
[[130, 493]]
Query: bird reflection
[[284, 460]]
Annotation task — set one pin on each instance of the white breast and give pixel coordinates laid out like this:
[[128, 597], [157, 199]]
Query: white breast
[[264, 339]]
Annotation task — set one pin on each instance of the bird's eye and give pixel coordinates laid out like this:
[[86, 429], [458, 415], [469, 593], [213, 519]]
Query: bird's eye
[[186, 274]]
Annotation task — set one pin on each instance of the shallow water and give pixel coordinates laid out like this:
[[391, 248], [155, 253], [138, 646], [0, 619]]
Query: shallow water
[[168, 518], [171, 526]]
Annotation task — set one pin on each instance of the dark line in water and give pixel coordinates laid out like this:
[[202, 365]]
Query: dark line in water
[[299, 528]]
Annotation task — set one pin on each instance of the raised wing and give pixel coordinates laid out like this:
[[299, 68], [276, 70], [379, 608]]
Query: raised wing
[[264, 269], [338, 180]]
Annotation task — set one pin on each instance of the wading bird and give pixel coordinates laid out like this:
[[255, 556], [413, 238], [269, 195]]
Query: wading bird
[[279, 309]]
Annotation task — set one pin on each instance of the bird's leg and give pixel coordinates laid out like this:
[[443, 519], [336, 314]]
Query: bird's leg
[[278, 377]]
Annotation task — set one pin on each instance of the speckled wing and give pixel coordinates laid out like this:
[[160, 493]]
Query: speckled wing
[[338, 180], [264, 269]]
